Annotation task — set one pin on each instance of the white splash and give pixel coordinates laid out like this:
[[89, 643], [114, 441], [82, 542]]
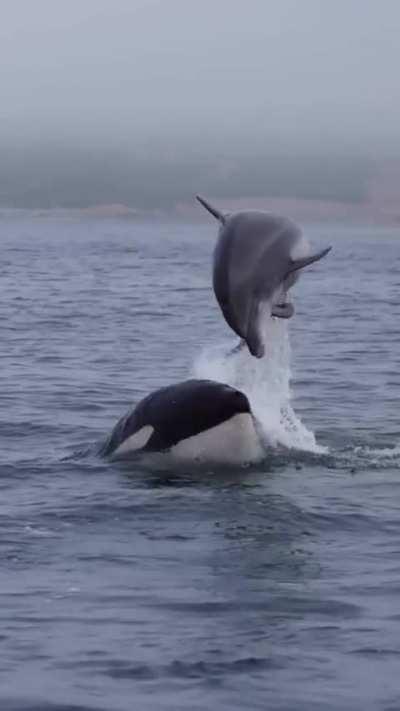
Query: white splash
[[266, 382]]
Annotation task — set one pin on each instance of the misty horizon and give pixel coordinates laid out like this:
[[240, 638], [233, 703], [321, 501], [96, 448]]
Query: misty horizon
[[147, 102]]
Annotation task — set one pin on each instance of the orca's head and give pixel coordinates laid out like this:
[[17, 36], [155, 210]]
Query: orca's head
[[233, 402]]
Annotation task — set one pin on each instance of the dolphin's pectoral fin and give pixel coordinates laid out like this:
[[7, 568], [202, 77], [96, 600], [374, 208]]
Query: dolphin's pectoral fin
[[284, 310], [213, 210], [305, 261]]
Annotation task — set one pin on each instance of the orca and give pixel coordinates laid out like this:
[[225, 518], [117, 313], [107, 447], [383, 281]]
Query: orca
[[194, 420]]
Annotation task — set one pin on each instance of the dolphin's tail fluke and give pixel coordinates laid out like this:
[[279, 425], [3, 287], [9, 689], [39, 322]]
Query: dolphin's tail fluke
[[213, 210], [305, 261]]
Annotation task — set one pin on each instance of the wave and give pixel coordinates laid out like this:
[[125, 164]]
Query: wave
[[266, 382]]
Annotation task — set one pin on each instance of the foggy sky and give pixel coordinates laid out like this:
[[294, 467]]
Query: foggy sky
[[174, 78]]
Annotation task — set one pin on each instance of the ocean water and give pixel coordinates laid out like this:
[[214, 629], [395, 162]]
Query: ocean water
[[122, 587]]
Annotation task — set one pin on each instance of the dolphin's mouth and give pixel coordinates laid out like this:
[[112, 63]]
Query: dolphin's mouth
[[284, 309]]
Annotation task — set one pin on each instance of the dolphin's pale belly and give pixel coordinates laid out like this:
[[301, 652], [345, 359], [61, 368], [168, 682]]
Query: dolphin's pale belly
[[234, 441]]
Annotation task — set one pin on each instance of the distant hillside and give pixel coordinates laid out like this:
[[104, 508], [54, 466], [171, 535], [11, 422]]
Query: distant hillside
[[149, 179]]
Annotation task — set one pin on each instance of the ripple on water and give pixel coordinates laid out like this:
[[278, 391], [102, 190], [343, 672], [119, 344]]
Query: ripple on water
[[126, 586]]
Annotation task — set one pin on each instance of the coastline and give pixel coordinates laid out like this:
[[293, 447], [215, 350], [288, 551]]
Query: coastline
[[373, 212]]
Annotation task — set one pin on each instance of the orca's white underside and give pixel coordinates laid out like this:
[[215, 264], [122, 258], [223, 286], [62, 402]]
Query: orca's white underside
[[234, 441]]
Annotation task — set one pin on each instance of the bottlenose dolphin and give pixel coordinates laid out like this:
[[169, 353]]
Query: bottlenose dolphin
[[256, 260], [195, 420]]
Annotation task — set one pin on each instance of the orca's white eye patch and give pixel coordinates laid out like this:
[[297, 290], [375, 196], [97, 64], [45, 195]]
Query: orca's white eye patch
[[136, 441]]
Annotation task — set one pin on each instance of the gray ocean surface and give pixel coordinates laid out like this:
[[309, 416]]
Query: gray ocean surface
[[272, 587]]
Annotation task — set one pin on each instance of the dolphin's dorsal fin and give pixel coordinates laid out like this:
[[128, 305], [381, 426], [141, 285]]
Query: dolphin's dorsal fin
[[305, 261], [213, 210]]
